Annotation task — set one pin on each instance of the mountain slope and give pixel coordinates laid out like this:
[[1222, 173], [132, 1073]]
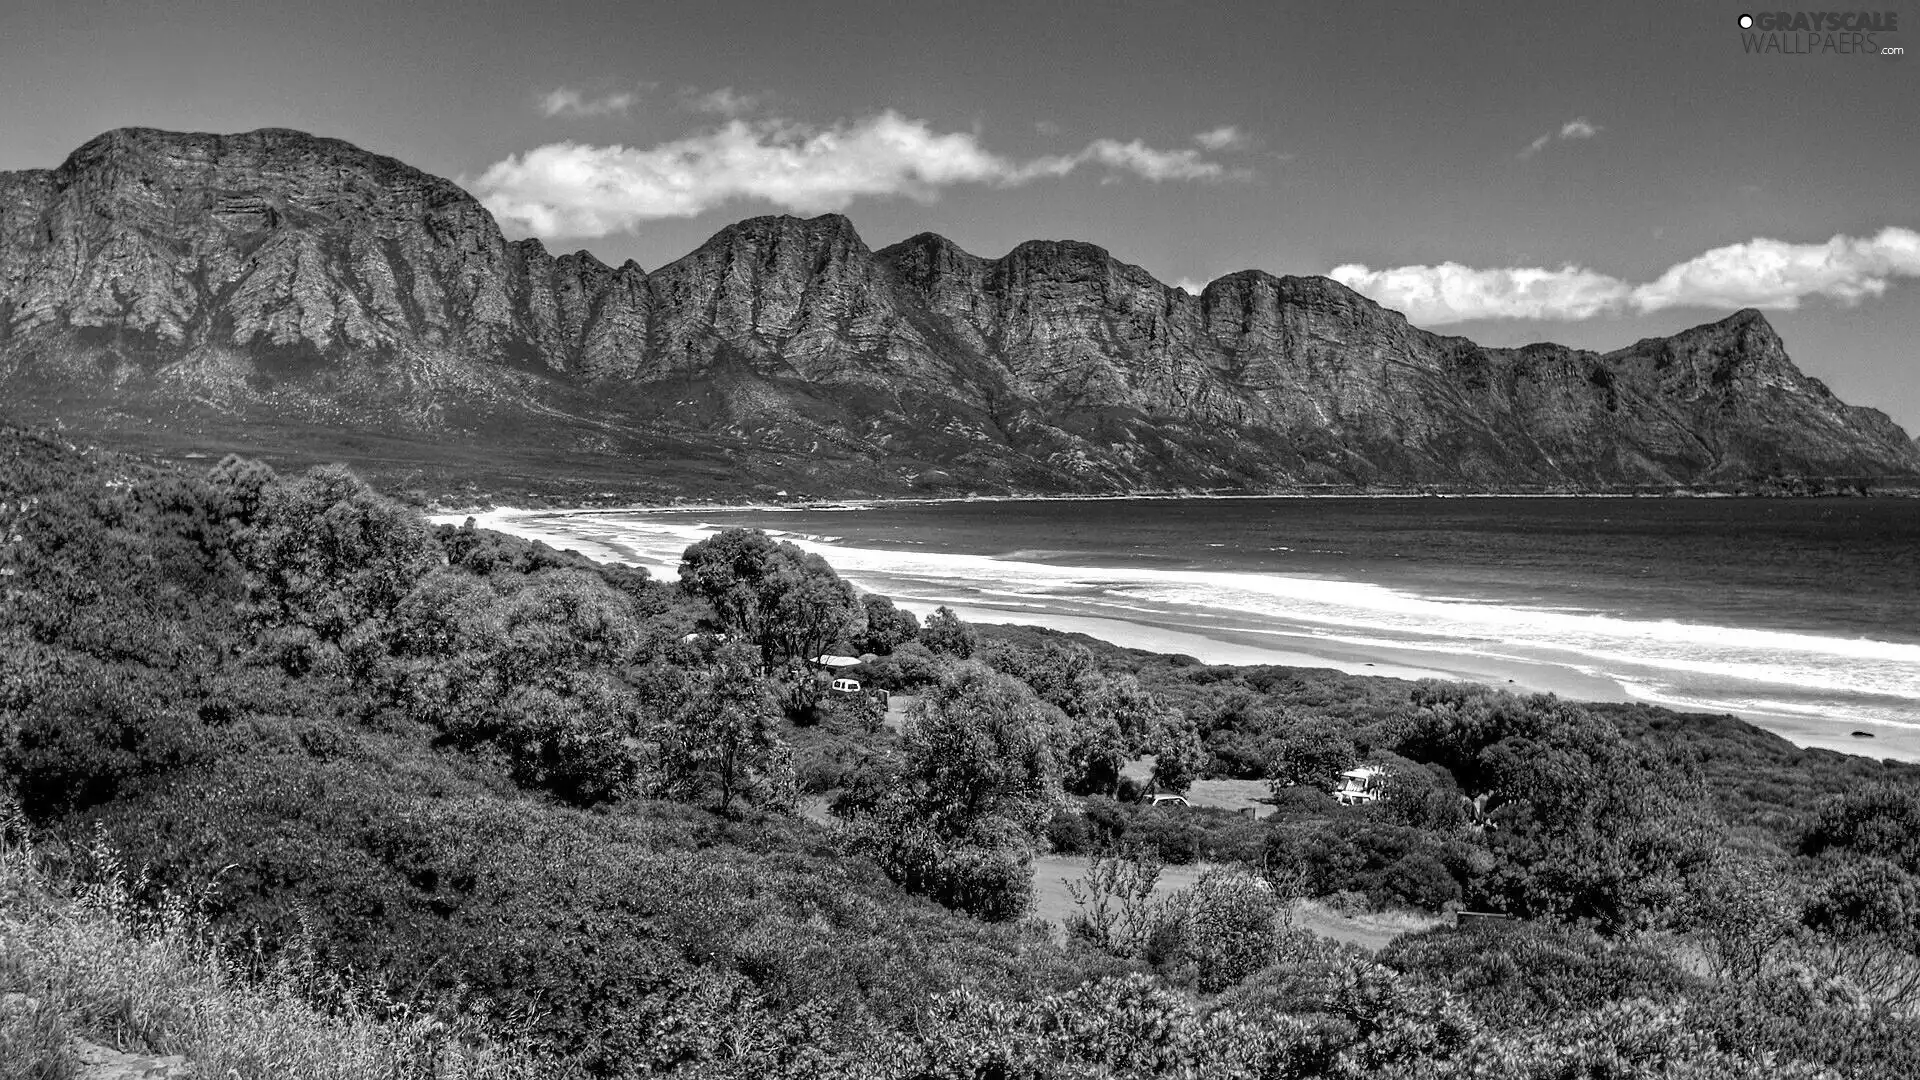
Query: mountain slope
[[311, 293]]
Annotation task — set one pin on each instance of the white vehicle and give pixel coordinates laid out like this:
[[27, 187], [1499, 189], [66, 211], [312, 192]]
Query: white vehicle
[[846, 686], [1167, 800], [1360, 786]]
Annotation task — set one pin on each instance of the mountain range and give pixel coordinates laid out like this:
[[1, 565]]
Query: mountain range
[[276, 291]]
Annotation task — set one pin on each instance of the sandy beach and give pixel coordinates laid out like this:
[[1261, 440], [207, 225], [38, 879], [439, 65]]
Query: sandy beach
[[1082, 599]]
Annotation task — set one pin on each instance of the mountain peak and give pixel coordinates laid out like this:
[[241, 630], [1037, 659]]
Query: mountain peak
[[821, 225], [1057, 251], [289, 277], [1750, 320]]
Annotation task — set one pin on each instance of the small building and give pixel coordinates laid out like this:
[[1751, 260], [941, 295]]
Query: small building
[[1360, 786]]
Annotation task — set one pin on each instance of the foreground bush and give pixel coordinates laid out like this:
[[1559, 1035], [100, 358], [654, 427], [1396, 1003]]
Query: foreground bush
[[99, 965]]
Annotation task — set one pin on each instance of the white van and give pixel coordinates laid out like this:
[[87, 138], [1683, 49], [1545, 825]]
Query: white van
[[846, 686]]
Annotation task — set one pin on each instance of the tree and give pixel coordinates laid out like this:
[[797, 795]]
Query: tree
[[888, 627], [239, 485], [945, 633], [785, 601], [1178, 758], [1310, 755], [564, 620], [568, 736], [977, 781], [725, 729], [1065, 676], [1138, 718], [441, 643], [978, 746], [1419, 796], [1095, 753], [328, 557]]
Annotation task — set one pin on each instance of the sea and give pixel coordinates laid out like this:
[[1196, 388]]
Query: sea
[[1802, 615]]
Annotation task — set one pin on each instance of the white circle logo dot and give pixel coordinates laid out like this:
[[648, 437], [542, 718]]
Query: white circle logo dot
[[1746, 22]]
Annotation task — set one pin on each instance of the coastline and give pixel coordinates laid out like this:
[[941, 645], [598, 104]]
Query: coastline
[[438, 509], [1160, 632]]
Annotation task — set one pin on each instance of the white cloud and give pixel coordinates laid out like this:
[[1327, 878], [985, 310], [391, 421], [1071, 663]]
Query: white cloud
[[1450, 292], [1225, 137], [574, 189], [1771, 274], [1156, 165], [725, 101], [1191, 286], [1760, 273], [570, 102], [1577, 128]]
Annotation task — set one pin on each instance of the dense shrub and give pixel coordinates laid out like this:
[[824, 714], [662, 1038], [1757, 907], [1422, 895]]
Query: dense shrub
[[1231, 932], [1393, 865], [83, 729], [1882, 821], [1519, 974]]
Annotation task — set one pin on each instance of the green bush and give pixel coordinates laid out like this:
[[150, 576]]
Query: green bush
[[1393, 865], [1521, 974], [1230, 927], [1882, 821]]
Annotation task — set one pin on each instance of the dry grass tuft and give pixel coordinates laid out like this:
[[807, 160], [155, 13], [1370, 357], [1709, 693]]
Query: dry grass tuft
[[92, 961]]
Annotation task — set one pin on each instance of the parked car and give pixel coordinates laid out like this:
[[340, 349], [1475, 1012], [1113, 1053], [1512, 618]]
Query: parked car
[[846, 686], [1164, 799], [1360, 786]]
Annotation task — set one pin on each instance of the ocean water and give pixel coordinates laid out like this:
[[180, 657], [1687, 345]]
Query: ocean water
[[1805, 612]]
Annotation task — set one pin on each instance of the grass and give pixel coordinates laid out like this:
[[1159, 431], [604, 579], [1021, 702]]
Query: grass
[[88, 962], [1370, 930], [1227, 794]]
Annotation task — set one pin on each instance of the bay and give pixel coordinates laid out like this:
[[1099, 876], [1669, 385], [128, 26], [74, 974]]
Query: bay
[[1798, 614]]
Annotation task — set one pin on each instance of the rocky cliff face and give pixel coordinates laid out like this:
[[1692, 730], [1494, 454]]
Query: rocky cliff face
[[278, 278]]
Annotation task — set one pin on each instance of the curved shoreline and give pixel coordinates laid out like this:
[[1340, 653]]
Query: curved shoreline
[[1164, 632], [440, 511]]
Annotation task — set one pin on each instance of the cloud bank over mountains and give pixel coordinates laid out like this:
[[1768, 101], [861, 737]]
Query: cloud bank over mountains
[[579, 189], [574, 189], [1760, 273]]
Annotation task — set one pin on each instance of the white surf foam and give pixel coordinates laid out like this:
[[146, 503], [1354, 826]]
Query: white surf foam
[[1680, 663]]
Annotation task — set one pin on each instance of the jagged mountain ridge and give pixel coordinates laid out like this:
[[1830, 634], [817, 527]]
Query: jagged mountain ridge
[[277, 277]]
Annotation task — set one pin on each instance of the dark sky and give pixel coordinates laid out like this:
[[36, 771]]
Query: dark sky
[[1530, 175]]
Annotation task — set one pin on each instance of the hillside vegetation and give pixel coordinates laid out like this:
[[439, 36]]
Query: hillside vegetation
[[301, 785]]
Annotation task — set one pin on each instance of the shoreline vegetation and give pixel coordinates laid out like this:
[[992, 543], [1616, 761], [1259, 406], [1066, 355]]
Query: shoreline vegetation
[[386, 797], [1225, 646]]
